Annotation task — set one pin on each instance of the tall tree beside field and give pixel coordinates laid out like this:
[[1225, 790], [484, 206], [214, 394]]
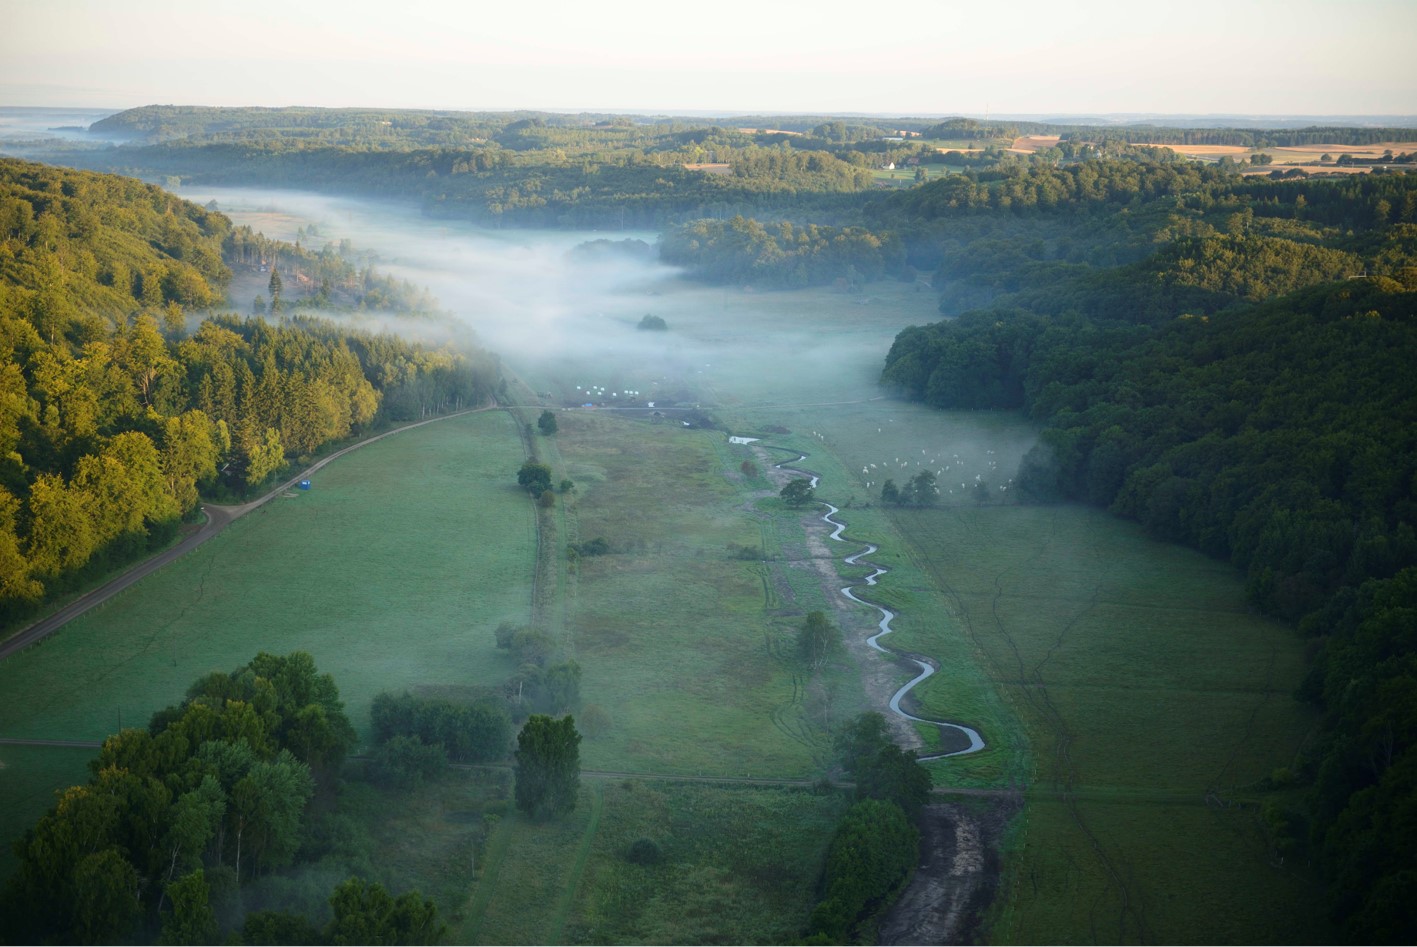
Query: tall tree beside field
[[534, 477], [548, 773], [797, 492]]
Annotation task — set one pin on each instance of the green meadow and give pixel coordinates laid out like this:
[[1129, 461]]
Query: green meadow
[[1154, 703], [674, 635], [392, 571]]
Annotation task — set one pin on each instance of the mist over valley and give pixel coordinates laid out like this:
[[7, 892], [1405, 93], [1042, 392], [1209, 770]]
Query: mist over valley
[[443, 526]]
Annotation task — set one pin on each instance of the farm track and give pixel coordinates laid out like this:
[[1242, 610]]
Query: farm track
[[218, 518]]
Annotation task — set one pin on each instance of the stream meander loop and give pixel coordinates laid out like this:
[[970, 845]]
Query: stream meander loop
[[976, 742]]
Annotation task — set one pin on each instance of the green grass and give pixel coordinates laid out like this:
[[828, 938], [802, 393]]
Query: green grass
[[392, 572], [515, 899], [674, 636], [29, 776], [904, 176], [739, 865], [1145, 686]]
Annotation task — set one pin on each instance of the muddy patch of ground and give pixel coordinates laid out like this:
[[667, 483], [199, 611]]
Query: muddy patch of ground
[[958, 874]]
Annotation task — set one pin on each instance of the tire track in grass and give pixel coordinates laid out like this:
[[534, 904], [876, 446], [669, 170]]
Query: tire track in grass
[[492, 859], [567, 898]]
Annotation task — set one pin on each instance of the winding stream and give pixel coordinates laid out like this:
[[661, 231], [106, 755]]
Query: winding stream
[[976, 742]]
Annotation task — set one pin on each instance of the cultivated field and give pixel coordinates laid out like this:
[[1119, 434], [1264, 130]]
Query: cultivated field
[[1028, 144], [1202, 151], [1308, 156]]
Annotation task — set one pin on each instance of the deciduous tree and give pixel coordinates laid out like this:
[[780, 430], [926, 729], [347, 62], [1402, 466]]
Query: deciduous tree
[[548, 771]]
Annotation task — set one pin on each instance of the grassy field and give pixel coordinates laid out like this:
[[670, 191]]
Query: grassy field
[[677, 638], [315, 571], [322, 571], [903, 177], [1154, 703], [739, 865]]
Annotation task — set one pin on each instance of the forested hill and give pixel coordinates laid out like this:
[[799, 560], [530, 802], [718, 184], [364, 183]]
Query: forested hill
[[117, 407], [1245, 387]]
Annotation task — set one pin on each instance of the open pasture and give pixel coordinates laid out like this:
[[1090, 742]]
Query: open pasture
[[904, 176], [729, 350], [738, 864], [677, 637], [1154, 702], [392, 572]]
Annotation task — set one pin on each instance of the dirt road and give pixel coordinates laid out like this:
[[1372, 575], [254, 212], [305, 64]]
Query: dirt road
[[957, 875]]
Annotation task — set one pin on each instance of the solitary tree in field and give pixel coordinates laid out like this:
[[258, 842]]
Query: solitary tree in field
[[547, 422], [534, 478], [548, 766], [797, 492], [921, 489], [817, 639]]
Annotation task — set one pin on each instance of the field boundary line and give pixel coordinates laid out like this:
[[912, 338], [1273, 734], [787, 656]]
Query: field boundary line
[[481, 895], [567, 899]]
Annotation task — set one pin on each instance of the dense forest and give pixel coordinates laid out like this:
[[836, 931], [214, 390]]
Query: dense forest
[[1243, 387], [124, 390]]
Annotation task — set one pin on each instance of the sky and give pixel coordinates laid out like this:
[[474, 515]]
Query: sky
[[905, 57]]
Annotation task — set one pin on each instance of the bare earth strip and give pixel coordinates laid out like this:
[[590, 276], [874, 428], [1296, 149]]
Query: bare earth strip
[[1028, 144], [218, 518]]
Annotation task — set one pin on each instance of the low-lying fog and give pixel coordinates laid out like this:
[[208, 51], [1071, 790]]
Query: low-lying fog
[[568, 323]]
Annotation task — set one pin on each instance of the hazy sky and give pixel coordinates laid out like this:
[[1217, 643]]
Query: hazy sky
[[916, 57]]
